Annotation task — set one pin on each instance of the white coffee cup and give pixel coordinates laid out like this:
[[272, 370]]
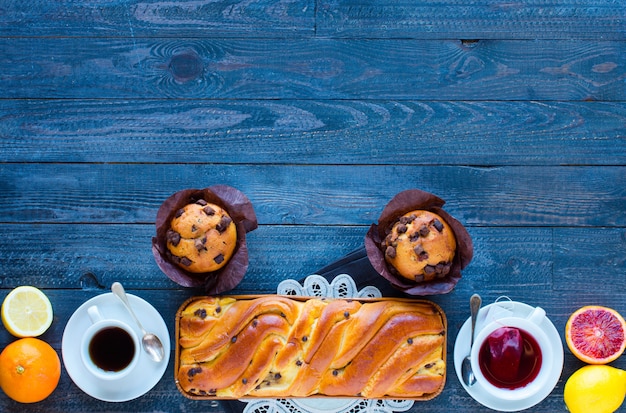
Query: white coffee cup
[[109, 348], [531, 326]]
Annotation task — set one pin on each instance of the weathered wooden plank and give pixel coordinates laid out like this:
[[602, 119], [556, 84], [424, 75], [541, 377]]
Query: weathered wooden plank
[[317, 194], [304, 131], [134, 19], [583, 260], [513, 261], [484, 19], [312, 69], [487, 19], [91, 257]]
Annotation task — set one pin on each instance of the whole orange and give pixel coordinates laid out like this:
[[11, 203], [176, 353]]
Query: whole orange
[[29, 370]]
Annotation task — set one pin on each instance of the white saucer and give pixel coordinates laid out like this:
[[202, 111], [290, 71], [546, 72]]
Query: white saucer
[[147, 373], [462, 348]]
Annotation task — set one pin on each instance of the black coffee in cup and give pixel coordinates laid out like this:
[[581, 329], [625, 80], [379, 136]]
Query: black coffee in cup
[[112, 349]]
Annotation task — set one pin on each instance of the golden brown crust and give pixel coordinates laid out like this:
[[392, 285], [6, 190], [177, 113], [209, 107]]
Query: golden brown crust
[[202, 237], [420, 246], [275, 346]]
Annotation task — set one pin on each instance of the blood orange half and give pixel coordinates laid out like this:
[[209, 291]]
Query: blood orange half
[[596, 334]]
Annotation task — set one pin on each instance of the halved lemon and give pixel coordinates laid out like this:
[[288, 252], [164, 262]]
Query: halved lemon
[[26, 312]]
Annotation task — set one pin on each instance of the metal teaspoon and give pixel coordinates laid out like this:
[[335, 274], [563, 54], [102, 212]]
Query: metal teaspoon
[[150, 342], [466, 368]]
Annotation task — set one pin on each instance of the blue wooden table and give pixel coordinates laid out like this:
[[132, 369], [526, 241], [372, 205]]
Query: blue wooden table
[[320, 112]]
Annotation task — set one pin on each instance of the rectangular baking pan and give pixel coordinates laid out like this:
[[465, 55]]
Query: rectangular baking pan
[[423, 397]]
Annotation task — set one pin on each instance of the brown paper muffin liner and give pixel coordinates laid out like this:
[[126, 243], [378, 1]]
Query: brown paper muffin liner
[[407, 201], [242, 213]]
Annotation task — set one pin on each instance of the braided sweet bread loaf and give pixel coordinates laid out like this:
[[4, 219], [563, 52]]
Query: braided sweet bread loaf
[[276, 346]]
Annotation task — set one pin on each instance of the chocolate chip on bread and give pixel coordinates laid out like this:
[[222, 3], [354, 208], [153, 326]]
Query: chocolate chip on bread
[[276, 346]]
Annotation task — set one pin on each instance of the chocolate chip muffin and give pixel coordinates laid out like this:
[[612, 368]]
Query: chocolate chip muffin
[[201, 238], [420, 246]]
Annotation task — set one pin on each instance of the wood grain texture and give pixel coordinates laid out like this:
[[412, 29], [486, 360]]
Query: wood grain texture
[[195, 18], [317, 195], [602, 251], [484, 19], [92, 257], [312, 69], [307, 132], [320, 111]]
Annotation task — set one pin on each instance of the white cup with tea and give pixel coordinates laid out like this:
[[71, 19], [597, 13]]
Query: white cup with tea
[[511, 356], [109, 348]]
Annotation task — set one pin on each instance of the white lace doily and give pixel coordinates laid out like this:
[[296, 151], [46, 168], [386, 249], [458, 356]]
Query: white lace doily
[[342, 286]]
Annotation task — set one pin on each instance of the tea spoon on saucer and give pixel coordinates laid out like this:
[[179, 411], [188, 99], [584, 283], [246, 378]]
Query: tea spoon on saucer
[[466, 368], [150, 342]]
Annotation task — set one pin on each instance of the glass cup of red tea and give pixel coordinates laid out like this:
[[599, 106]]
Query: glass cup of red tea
[[510, 356]]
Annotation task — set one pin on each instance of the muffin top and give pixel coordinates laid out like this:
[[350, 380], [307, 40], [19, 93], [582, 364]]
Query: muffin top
[[202, 237], [420, 246]]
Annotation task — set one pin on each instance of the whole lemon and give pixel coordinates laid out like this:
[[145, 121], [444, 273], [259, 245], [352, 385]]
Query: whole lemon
[[595, 388]]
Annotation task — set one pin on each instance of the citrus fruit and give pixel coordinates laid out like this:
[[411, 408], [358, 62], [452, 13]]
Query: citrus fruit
[[597, 389], [26, 312], [596, 334], [29, 370]]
